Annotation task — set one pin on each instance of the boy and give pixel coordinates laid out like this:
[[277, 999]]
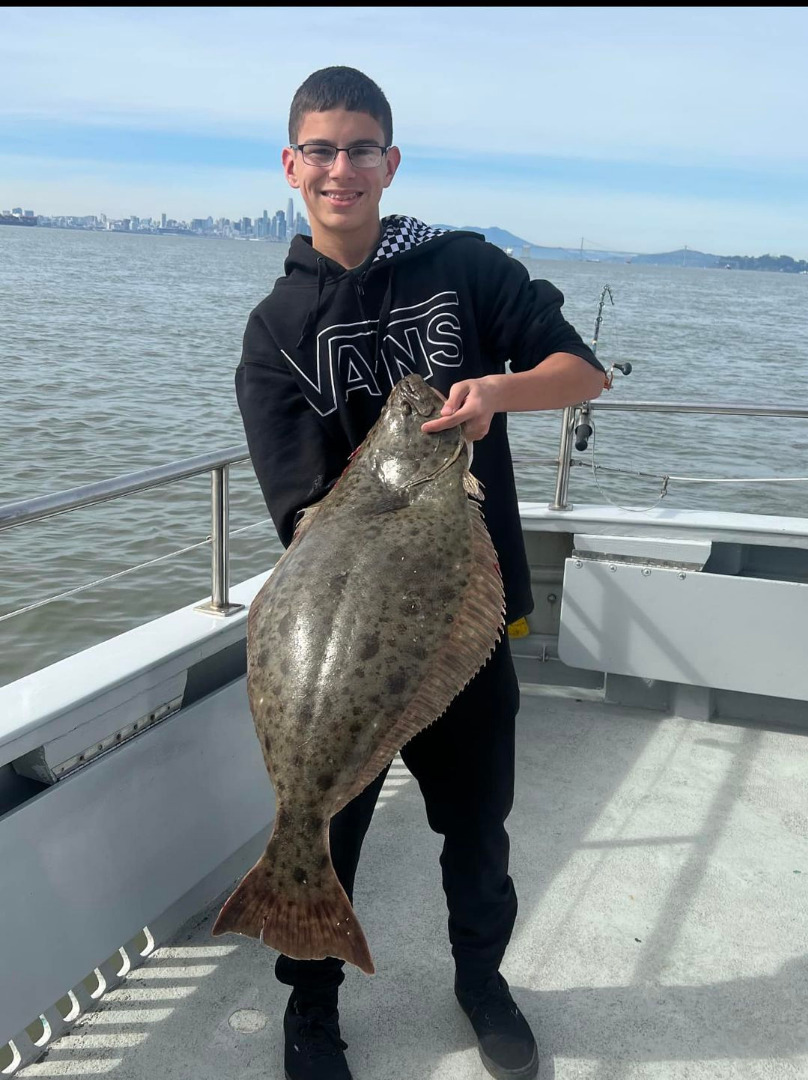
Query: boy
[[364, 302]]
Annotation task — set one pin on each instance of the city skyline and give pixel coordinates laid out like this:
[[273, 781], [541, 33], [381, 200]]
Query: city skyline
[[281, 226], [242, 226], [598, 125]]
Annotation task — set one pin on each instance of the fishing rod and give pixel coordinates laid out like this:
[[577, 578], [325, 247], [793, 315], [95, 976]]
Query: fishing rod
[[583, 429]]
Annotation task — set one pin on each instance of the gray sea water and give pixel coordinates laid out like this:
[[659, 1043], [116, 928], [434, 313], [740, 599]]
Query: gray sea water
[[117, 353]]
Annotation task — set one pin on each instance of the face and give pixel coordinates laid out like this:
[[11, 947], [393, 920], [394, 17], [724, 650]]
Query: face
[[340, 198]]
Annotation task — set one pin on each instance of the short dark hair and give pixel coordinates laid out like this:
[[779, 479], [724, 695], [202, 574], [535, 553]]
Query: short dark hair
[[340, 88]]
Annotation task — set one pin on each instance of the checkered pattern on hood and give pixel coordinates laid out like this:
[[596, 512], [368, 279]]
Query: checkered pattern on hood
[[400, 233]]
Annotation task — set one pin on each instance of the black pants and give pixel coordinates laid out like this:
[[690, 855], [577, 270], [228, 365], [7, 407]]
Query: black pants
[[464, 765]]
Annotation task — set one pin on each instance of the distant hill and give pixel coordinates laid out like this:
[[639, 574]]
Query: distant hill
[[683, 257], [504, 239], [686, 257]]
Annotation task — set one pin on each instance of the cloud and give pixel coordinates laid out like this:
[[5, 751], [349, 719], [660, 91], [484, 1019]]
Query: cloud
[[679, 106]]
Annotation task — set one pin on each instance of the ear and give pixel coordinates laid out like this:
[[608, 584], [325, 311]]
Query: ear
[[289, 162], [392, 161]]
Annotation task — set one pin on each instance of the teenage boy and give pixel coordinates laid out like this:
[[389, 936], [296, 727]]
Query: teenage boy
[[364, 302]]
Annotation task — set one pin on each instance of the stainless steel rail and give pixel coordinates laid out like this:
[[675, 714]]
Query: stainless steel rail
[[796, 412], [564, 464], [217, 464]]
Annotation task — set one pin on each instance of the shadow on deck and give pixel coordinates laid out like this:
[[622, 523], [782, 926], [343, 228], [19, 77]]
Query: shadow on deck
[[662, 872]]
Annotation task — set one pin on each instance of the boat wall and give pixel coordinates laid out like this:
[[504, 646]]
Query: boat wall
[[159, 823], [702, 614]]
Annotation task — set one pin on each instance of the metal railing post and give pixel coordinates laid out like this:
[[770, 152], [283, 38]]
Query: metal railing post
[[220, 545], [564, 461]]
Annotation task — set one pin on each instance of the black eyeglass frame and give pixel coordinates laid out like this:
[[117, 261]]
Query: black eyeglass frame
[[348, 150]]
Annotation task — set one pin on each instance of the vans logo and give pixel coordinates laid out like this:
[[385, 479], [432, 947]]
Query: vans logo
[[418, 338]]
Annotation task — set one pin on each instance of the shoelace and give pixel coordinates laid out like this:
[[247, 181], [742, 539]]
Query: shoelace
[[498, 1009], [496, 1004], [321, 1039]]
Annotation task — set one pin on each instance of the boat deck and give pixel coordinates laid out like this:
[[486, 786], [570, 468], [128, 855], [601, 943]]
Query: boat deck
[[662, 871]]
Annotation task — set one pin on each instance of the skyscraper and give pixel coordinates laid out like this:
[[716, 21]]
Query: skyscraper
[[290, 219]]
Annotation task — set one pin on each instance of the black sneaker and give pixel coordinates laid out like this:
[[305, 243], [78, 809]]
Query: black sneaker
[[507, 1047], [313, 1048]]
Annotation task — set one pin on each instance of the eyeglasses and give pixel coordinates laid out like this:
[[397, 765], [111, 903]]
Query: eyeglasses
[[323, 155]]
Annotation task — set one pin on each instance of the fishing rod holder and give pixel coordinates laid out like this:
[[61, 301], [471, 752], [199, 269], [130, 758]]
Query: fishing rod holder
[[576, 421]]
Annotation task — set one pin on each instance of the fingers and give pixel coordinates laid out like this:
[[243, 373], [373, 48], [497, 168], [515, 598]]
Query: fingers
[[476, 424], [457, 396], [443, 423], [464, 405]]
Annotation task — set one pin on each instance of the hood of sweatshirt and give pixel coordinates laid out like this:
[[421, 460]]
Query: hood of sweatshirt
[[401, 236]]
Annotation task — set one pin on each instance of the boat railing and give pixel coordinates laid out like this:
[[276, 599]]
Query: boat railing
[[218, 464], [574, 415]]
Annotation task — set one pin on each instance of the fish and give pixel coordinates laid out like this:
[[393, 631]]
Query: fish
[[386, 603]]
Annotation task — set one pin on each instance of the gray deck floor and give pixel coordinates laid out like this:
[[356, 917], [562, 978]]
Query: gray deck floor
[[662, 871]]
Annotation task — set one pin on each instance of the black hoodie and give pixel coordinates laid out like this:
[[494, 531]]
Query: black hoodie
[[323, 350]]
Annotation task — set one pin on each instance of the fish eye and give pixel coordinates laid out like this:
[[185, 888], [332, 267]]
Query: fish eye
[[406, 408]]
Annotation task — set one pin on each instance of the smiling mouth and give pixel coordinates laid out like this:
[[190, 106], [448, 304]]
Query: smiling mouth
[[342, 198]]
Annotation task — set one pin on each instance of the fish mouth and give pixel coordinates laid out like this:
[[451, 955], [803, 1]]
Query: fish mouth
[[422, 398]]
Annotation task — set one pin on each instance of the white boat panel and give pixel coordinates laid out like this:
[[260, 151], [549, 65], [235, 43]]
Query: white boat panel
[[46, 761], [50, 703], [691, 524], [682, 552], [100, 854], [743, 634]]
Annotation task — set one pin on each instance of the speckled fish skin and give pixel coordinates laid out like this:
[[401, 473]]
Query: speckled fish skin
[[386, 603]]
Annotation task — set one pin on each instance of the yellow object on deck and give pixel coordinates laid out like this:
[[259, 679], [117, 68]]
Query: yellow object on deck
[[519, 628]]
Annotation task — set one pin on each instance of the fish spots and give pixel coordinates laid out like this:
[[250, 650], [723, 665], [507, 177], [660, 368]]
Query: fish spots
[[299, 874], [417, 650], [397, 681], [338, 582], [449, 618], [355, 728], [411, 605], [356, 711], [284, 625], [391, 501], [359, 672], [369, 649], [305, 712], [325, 781]]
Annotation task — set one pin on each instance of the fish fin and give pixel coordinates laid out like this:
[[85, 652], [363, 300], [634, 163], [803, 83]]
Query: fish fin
[[472, 486], [299, 922], [305, 518], [476, 629]]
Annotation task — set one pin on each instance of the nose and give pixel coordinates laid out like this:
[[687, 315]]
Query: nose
[[341, 165]]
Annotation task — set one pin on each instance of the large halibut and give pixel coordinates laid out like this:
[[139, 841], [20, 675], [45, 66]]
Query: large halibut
[[386, 603]]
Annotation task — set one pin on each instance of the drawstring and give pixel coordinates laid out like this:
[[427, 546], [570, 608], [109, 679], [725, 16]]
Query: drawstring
[[384, 315], [311, 318]]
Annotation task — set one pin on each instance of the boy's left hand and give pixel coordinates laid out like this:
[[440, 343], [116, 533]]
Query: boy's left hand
[[471, 402]]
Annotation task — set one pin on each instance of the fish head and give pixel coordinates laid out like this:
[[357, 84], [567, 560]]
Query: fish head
[[400, 452]]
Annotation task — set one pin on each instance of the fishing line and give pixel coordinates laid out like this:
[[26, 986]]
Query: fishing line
[[121, 573]]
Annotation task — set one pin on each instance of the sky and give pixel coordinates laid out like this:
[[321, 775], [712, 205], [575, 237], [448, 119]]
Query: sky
[[636, 129]]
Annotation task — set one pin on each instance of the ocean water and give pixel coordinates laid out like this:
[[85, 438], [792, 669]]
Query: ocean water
[[117, 353]]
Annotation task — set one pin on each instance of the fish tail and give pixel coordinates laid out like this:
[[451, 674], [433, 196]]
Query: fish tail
[[308, 917]]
